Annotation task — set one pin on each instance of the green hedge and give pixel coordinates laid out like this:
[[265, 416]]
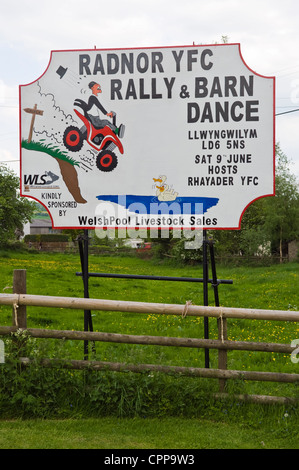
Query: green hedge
[[46, 237]]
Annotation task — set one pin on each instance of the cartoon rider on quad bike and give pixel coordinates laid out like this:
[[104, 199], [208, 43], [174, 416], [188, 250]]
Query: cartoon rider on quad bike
[[100, 134]]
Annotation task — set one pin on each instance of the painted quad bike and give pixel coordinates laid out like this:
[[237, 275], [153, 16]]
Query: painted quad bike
[[104, 140]]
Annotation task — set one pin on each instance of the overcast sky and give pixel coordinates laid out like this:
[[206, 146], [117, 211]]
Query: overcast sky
[[267, 31]]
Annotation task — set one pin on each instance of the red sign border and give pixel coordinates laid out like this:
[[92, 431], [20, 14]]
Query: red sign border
[[147, 48]]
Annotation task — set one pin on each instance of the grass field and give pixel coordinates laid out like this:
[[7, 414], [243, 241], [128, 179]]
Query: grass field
[[141, 400], [150, 433]]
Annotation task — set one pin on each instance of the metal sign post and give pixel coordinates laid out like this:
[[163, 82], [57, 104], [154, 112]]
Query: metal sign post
[[83, 241], [205, 293], [214, 281]]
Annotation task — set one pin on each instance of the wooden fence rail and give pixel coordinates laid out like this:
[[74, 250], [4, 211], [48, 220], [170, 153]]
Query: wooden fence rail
[[147, 307], [20, 300], [150, 340]]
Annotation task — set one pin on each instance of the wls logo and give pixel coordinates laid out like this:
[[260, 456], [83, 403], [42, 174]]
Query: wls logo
[[40, 180]]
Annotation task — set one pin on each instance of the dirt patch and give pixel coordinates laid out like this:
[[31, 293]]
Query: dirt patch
[[70, 177]]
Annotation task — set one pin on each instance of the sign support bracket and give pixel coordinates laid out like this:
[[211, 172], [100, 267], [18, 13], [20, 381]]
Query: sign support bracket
[[83, 243]]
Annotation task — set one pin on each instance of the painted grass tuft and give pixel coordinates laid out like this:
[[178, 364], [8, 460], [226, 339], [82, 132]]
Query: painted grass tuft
[[51, 150]]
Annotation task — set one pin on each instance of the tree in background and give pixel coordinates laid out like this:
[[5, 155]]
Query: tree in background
[[15, 211], [268, 223], [282, 211]]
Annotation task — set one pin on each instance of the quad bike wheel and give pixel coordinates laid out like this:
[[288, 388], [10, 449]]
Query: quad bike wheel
[[73, 139], [106, 160]]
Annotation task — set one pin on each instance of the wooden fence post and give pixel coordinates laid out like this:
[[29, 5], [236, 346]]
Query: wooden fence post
[[19, 316], [222, 353]]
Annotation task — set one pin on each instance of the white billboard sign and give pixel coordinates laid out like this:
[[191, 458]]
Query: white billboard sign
[[158, 137]]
